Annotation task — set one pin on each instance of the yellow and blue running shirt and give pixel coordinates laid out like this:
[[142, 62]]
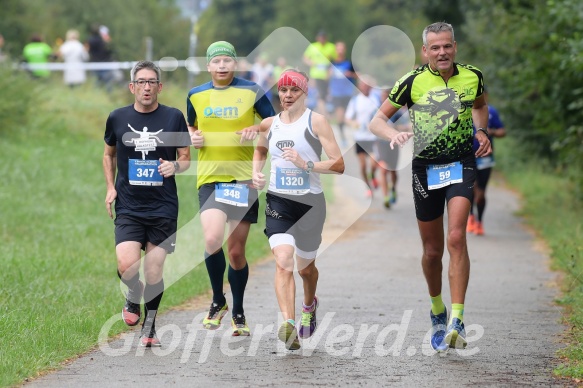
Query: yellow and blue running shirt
[[219, 113], [441, 112]]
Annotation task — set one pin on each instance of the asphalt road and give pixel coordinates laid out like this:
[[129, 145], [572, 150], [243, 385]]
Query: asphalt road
[[373, 315]]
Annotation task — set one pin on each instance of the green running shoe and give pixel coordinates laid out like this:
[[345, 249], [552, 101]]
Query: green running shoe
[[216, 313], [288, 334]]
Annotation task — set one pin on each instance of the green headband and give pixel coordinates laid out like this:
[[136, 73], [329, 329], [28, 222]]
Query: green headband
[[220, 48]]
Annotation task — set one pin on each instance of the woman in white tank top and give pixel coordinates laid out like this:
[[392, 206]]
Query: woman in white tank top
[[296, 208]]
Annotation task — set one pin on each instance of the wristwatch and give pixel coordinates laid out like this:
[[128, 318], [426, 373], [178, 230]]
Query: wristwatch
[[176, 167], [483, 130], [310, 166]]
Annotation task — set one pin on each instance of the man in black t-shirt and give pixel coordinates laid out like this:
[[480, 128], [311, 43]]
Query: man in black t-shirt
[[147, 143]]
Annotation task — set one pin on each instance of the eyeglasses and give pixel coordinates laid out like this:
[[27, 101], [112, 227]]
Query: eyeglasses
[[143, 82]]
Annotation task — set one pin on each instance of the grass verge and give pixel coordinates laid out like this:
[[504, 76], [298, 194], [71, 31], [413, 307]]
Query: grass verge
[[551, 207], [60, 285]]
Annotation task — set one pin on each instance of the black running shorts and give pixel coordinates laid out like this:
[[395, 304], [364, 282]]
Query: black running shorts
[[301, 216], [429, 204], [387, 156], [158, 231], [206, 199]]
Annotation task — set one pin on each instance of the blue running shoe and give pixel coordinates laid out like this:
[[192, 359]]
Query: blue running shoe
[[393, 197], [456, 335], [438, 326]]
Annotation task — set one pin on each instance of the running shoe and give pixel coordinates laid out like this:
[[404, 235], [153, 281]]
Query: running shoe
[[456, 335], [288, 334], [438, 326], [216, 313], [131, 311], [150, 340], [479, 229], [471, 227], [308, 322], [387, 202], [393, 197], [239, 324], [375, 183]]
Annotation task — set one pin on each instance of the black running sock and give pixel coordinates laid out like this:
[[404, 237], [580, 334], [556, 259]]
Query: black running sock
[[238, 281], [131, 283], [216, 265], [152, 296], [481, 205]]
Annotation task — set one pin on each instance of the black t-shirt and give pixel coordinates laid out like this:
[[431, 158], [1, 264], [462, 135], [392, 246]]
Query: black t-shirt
[[99, 50], [141, 139]]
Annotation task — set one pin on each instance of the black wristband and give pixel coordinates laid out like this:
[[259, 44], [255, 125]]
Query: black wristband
[[176, 167], [483, 130]]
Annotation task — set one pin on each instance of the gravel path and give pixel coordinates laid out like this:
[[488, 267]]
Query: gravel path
[[373, 316]]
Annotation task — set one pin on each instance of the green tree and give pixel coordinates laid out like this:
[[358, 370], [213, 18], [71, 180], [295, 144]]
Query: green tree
[[236, 21], [531, 55], [130, 22]]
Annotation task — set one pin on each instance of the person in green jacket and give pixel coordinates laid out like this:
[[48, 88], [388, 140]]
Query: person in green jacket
[[36, 52]]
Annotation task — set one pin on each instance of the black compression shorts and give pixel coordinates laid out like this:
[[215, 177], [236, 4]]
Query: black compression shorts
[[429, 204]]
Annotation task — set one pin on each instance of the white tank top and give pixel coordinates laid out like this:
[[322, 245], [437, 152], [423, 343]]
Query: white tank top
[[285, 177]]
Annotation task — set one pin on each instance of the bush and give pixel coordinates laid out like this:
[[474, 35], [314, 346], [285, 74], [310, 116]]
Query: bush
[[17, 98]]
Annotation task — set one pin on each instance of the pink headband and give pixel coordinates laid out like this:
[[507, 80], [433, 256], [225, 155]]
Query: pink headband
[[292, 78]]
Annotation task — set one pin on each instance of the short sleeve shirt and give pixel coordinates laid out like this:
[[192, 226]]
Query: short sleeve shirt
[[142, 139], [441, 112], [321, 55], [219, 113]]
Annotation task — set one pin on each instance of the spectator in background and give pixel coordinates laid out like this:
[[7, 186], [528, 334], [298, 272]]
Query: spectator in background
[[73, 54], [115, 75], [263, 74], [100, 51], [280, 66], [2, 55], [312, 95], [318, 56], [341, 87], [244, 69], [38, 52]]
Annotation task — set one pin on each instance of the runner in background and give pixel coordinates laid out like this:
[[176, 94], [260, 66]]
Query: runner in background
[[318, 57], [388, 157], [359, 112], [341, 86], [484, 170]]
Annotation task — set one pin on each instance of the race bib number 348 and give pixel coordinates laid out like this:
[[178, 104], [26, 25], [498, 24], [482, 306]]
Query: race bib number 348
[[144, 173], [235, 194], [441, 175]]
